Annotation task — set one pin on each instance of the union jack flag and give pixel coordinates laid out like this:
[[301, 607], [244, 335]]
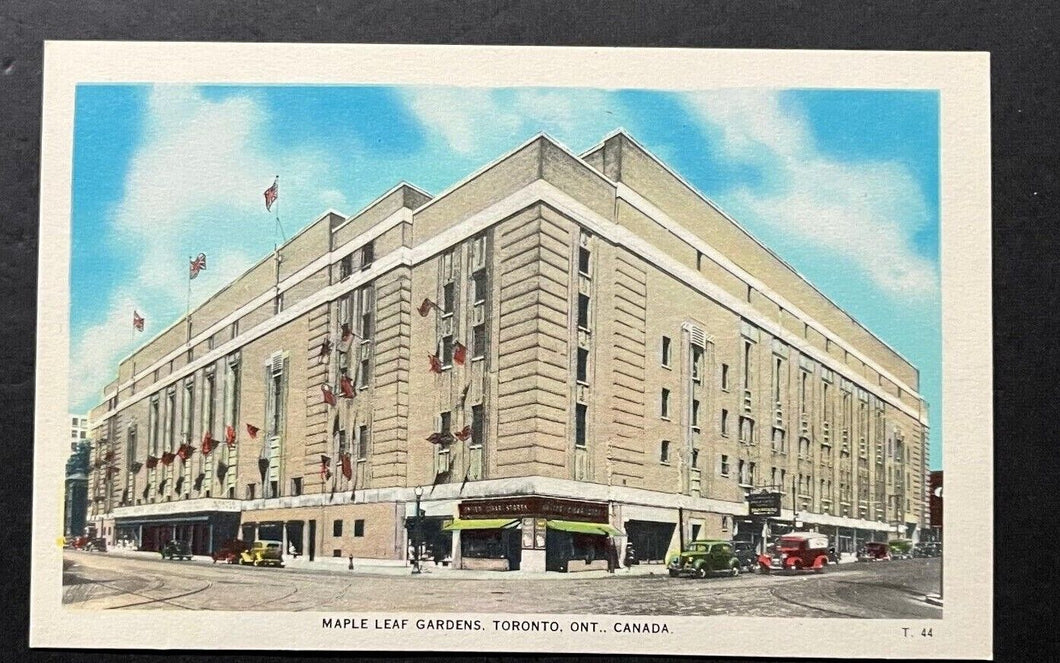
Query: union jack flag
[[272, 193], [197, 265], [138, 321]]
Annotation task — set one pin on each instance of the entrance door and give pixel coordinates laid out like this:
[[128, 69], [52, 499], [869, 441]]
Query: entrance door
[[513, 544], [312, 539], [650, 539]]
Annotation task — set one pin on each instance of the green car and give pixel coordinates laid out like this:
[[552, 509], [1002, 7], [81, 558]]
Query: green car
[[703, 558]]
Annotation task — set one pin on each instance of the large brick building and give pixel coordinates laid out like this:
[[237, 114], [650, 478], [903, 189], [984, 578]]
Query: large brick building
[[559, 352]]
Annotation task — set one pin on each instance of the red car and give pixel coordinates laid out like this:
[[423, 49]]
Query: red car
[[796, 551], [230, 551], [874, 551]]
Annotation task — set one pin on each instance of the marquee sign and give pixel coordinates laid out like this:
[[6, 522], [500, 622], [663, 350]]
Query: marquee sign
[[535, 507], [764, 505]]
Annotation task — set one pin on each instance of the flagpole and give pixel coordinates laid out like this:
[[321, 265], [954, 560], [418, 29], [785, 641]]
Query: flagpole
[[187, 301], [279, 225]]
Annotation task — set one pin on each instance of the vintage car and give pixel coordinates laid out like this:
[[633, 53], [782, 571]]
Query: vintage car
[[746, 553], [874, 551], [230, 551], [901, 549], [176, 550], [703, 558], [796, 551], [263, 553]]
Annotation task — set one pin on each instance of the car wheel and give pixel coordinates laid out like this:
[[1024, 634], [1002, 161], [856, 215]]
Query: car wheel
[[735, 570], [700, 573]]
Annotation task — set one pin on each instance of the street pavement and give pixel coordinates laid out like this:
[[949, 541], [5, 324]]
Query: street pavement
[[891, 589]]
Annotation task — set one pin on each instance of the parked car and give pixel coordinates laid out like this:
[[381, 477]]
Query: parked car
[[703, 558], [795, 552], [176, 550], [96, 545], [263, 553], [746, 553], [230, 551], [901, 549], [874, 551]]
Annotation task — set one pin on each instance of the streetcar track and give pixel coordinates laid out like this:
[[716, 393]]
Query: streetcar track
[[777, 595], [168, 600]]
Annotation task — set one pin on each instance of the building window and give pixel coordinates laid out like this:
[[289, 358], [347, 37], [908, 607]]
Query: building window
[[296, 486], [697, 363], [666, 351], [664, 404], [481, 286], [448, 298], [747, 430], [778, 440], [73, 421], [724, 469], [725, 423], [250, 490], [579, 425], [478, 425], [358, 527], [695, 414], [171, 419], [583, 311], [336, 528], [362, 443], [447, 351], [478, 341], [751, 473], [345, 266], [366, 297], [699, 260], [367, 255], [664, 452], [152, 427], [695, 457], [747, 347], [583, 260], [741, 472], [446, 423], [277, 303], [724, 377], [275, 384], [583, 365], [187, 406]]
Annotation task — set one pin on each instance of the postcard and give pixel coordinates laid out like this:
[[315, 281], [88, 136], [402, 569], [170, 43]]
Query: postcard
[[362, 347]]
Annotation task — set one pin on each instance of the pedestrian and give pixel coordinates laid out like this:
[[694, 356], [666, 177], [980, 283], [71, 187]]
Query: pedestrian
[[612, 556]]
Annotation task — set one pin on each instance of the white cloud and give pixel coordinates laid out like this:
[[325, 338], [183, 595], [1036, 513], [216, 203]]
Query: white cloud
[[864, 213], [195, 183]]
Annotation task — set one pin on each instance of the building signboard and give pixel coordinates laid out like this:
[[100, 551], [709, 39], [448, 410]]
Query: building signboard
[[536, 507], [764, 505]]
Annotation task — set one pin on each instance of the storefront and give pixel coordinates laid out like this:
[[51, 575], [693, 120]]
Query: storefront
[[651, 539], [202, 532], [534, 534]]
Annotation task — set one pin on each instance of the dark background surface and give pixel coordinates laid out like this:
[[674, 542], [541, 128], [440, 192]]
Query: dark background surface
[[1021, 38]]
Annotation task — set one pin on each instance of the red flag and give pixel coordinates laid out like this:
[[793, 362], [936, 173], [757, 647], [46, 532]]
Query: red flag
[[435, 438], [347, 466], [185, 451], [346, 386], [325, 467], [347, 333], [459, 352], [436, 363], [138, 321], [207, 443], [152, 461], [325, 349], [109, 456], [252, 431], [329, 396], [272, 193], [463, 433], [167, 458], [230, 437], [426, 306], [197, 265]]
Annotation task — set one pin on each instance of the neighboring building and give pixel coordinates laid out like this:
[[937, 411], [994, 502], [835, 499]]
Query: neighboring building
[[935, 500], [75, 502], [78, 428], [556, 351]]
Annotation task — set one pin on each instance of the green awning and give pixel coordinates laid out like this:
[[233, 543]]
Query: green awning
[[486, 523], [578, 527]]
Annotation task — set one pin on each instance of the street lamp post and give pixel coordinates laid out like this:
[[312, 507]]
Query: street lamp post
[[416, 533]]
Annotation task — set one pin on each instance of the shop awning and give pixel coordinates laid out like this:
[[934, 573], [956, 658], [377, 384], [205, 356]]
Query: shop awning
[[485, 523], [578, 527]]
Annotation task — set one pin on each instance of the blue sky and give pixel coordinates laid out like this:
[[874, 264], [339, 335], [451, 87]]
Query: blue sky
[[843, 184]]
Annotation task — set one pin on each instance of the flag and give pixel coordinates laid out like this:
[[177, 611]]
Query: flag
[[198, 481], [425, 307], [272, 193], [222, 469], [167, 458], [185, 451], [436, 363], [136, 467], [197, 265], [463, 394], [329, 396], [346, 386], [463, 433], [138, 321], [325, 349], [435, 438], [152, 461], [459, 352], [325, 467], [347, 466], [252, 431], [207, 443], [347, 332]]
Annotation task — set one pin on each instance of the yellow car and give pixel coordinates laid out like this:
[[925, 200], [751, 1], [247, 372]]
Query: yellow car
[[263, 553]]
